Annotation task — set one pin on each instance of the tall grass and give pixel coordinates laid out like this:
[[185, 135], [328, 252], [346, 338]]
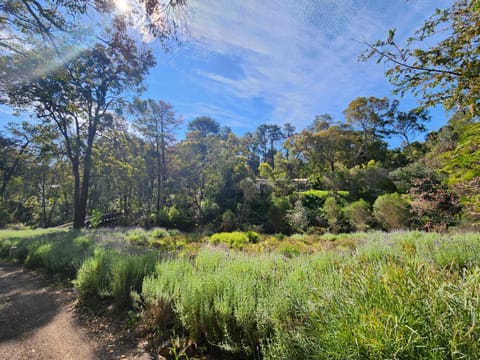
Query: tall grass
[[61, 253], [112, 275], [396, 296], [402, 295], [11, 238]]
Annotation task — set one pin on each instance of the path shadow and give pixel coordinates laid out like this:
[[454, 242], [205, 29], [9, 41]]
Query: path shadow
[[27, 302]]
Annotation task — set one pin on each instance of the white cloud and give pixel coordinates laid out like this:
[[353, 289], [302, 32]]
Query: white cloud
[[300, 57]]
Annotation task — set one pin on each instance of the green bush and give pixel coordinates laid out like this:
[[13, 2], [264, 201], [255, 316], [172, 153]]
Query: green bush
[[109, 274], [137, 236], [391, 211], [94, 278], [159, 234], [291, 249], [236, 239], [229, 221], [220, 298], [127, 276], [399, 295], [359, 214], [253, 236], [96, 219], [60, 253], [334, 214]]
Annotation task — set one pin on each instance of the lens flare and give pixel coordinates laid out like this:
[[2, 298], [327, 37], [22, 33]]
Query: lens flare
[[122, 5]]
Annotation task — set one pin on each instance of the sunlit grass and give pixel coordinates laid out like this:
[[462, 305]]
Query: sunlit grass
[[399, 295]]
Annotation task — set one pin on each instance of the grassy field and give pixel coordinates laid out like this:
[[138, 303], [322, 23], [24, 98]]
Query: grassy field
[[402, 295]]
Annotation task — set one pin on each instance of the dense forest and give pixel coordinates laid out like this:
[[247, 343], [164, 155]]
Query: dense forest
[[95, 147]]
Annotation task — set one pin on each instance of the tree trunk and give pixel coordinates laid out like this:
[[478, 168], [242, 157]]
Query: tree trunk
[[44, 198], [77, 218], [50, 214], [159, 175]]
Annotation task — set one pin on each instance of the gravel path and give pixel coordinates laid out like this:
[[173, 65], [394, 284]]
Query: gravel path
[[40, 321], [36, 319]]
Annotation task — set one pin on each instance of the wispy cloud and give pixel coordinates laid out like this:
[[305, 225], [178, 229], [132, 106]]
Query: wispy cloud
[[300, 57], [227, 117]]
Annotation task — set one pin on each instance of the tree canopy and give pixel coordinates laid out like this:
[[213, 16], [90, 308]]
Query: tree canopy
[[445, 73], [97, 147]]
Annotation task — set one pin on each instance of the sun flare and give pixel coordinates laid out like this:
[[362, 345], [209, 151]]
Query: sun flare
[[122, 5]]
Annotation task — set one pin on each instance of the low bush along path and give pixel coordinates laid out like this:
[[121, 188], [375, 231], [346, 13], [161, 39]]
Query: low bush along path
[[39, 321]]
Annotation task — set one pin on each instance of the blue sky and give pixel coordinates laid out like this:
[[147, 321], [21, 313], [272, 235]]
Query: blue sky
[[248, 62]]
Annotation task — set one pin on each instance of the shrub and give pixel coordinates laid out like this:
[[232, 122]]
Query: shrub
[[359, 214], [60, 253], [391, 211], [228, 221], [137, 236], [109, 274], [127, 276], [334, 214], [93, 281], [291, 249], [433, 206], [219, 297], [253, 236], [236, 239], [96, 219], [159, 234], [277, 215], [297, 217]]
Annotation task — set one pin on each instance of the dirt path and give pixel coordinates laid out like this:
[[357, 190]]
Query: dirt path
[[38, 321]]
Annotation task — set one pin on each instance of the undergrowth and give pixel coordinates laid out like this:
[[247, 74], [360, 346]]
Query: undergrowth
[[400, 295]]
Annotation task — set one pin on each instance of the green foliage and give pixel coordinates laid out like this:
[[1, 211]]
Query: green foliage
[[236, 239], [462, 162], [265, 171], [439, 63], [214, 298], [404, 176], [228, 221], [278, 215], [111, 275], [314, 200], [359, 214], [127, 273], [60, 253], [96, 219], [397, 295], [334, 214], [469, 192], [392, 211], [402, 295], [137, 236], [291, 249], [94, 278], [368, 181], [253, 237], [4, 215], [318, 197], [312, 195], [159, 234]]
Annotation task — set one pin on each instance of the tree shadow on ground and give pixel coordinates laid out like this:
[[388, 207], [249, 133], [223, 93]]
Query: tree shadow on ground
[[27, 302]]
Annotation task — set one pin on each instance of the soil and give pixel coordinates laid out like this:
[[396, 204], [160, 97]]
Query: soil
[[41, 321]]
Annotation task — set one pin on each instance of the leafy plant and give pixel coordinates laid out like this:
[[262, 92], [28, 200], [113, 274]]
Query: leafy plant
[[392, 211], [359, 214]]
